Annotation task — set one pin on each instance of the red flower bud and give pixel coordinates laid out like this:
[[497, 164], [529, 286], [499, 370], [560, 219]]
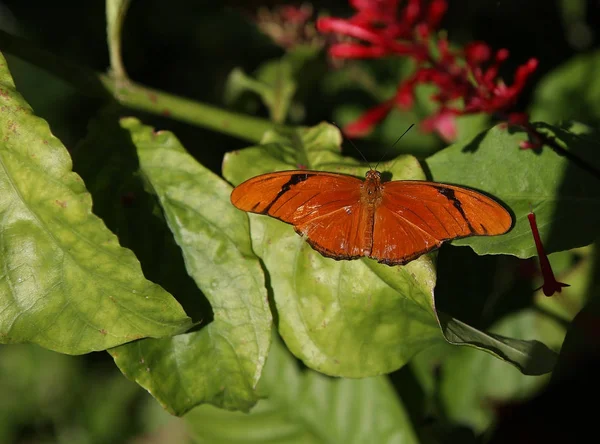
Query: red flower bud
[[551, 285]]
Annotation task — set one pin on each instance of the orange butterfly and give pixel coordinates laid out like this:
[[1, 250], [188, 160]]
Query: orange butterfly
[[344, 217]]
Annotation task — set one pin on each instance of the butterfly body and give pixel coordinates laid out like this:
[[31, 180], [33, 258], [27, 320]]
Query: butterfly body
[[344, 217]]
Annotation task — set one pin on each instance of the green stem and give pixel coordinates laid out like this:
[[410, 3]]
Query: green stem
[[135, 96], [116, 10], [168, 105]]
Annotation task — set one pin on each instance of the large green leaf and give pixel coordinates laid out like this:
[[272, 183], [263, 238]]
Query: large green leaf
[[66, 284], [565, 198], [307, 407], [352, 318], [570, 92], [220, 364]]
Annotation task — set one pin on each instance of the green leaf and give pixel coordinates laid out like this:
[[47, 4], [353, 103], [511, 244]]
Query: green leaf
[[108, 163], [66, 283], [307, 407], [565, 198], [275, 81], [531, 356], [275, 85], [469, 385], [350, 318], [570, 92], [470, 125], [220, 364], [473, 383]]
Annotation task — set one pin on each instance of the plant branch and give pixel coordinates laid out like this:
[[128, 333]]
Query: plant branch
[[116, 10], [135, 96]]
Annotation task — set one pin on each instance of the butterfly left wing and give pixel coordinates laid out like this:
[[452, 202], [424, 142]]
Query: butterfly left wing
[[323, 207], [415, 217]]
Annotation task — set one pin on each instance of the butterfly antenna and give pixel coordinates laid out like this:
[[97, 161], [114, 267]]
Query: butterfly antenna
[[394, 144], [352, 143]]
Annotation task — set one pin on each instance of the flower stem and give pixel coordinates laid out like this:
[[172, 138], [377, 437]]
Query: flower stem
[[116, 11], [135, 96]]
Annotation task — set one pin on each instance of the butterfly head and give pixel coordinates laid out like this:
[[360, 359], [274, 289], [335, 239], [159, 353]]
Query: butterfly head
[[373, 175], [371, 187]]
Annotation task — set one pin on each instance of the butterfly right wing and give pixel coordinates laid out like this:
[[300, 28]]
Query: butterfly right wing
[[418, 216], [323, 207]]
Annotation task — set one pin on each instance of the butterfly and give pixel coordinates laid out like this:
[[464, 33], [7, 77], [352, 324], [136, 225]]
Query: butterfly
[[393, 222]]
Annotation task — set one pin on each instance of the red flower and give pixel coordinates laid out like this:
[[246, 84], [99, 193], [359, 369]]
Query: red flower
[[469, 75], [376, 23], [551, 285]]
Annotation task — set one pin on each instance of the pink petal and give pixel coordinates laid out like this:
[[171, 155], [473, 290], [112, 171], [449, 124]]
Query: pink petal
[[444, 123], [341, 26]]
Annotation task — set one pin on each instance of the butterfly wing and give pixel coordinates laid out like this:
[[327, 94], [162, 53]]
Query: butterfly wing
[[415, 217], [323, 207]]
